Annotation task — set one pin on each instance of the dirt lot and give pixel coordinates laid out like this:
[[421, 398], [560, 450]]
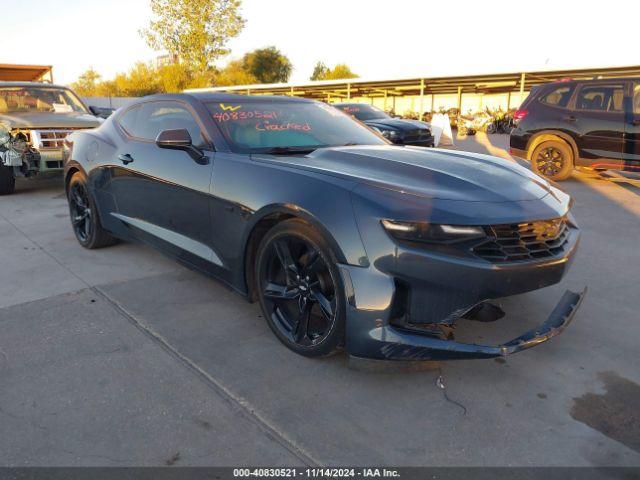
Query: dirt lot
[[122, 357]]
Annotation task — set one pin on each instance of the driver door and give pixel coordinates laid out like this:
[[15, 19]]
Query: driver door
[[163, 195]]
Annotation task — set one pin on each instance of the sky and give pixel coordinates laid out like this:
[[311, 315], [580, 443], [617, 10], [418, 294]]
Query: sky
[[377, 39]]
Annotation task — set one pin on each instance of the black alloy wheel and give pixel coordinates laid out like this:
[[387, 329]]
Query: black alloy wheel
[[84, 215], [7, 180], [550, 161], [80, 210], [300, 291], [553, 159]]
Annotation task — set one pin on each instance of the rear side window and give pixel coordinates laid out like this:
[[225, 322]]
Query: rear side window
[[147, 121], [128, 120], [559, 96], [601, 98]]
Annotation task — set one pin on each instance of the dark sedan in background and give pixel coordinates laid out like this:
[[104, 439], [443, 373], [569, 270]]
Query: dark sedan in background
[[343, 239], [397, 130]]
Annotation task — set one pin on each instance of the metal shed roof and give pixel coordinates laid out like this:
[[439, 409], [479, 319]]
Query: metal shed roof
[[25, 73], [486, 83]]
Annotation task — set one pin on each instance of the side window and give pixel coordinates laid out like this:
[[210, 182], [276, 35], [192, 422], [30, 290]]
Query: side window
[[636, 98], [128, 120], [558, 97], [154, 117], [601, 98]]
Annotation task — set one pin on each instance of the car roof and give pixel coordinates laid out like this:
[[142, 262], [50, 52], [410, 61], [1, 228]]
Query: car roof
[[348, 104], [233, 97], [31, 84], [588, 80]]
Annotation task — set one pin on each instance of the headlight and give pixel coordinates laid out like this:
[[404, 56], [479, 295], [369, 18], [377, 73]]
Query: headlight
[[431, 232], [389, 133], [5, 134]]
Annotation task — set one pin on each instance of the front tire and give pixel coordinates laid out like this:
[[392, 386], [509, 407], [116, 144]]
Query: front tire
[[7, 180], [84, 215], [300, 289], [553, 159]]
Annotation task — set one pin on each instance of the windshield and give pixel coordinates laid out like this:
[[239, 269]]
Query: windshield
[[253, 126], [39, 99], [363, 112]]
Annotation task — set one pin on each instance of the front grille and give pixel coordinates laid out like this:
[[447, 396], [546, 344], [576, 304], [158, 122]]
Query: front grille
[[422, 134], [49, 139], [524, 241], [54, 165]]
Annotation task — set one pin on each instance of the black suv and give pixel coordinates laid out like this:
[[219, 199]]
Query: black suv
[[590, 123]]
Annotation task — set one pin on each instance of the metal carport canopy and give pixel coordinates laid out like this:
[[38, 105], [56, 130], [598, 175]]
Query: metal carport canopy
[[25, 73], [490, 83]]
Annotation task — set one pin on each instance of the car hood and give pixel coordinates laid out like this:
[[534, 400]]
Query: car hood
[[397, 123], [49, 120], [443, 174]]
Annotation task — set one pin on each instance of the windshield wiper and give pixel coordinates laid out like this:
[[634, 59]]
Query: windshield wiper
[[289, 150]]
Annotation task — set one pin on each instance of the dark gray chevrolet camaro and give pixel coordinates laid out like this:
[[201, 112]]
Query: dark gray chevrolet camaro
[[344, 239]]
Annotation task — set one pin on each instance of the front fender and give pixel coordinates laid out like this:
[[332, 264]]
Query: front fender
[[351, 252], [245, 192]]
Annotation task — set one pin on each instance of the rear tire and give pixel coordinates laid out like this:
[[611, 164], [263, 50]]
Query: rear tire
[[84, 215], [7, 180], [553, 159], [300, 289]]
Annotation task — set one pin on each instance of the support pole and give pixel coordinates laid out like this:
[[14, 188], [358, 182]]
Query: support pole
[[522, 79], [508, 100], [421, 115], [460, 100], [348, 91], [385, 101]]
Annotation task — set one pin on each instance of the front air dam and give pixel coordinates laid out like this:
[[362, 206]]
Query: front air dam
[[389, 343]]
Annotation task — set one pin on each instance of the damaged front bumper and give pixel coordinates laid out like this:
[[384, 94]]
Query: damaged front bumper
[[389, 343], [396, 345]]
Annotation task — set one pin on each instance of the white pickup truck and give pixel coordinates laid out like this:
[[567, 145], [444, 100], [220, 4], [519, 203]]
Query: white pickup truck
[[35, 118]]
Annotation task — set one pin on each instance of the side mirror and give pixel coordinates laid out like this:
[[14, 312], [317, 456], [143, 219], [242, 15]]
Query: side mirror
[[101, 112], [174, 139], [180, 139]]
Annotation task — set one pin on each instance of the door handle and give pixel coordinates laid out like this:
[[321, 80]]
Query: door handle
[[635, 123], [125, 158], [569, 118]]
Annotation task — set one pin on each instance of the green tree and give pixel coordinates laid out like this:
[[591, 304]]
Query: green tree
[[319, 71], [341, 70], [108, 88], [194, 31], [234, 74], [87, 83], [268, 65], [141, 80], [145, 79], [174, 78]]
